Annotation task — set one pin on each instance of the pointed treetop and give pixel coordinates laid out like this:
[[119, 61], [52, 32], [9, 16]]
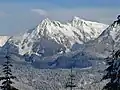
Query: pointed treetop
[[118, 17]]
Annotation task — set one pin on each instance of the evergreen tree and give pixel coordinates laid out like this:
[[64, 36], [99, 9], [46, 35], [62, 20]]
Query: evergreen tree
[[70, 83], [113, 72], [117, 21], [7, 78]]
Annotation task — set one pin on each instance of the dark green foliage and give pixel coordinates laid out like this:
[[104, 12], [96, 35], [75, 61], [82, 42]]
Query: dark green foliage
[[113, 72], [6, 84], [118, 20]]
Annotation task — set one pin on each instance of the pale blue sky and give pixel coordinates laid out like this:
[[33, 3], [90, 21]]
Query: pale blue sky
[[18, 15]]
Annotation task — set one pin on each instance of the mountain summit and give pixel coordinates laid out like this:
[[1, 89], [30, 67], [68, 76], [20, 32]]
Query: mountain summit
[[51, 37]]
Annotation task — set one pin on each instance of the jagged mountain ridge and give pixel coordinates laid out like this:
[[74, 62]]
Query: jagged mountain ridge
[[53, 36], [108, 41]]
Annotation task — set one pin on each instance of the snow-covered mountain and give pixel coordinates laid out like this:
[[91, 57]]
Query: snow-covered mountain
[[108, 41], [3, 40], [51, 37]]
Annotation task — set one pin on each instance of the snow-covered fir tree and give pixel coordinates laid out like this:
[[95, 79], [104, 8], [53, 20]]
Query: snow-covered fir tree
[[70, 83], [7, 78]]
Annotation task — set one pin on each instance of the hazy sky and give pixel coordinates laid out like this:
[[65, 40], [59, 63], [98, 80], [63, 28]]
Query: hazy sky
[[19, 15]]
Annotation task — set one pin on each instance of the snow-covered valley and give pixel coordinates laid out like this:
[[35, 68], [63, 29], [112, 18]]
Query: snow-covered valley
[[30, 78]]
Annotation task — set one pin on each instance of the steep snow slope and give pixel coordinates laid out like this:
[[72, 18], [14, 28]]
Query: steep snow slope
[[51, 37], [3, 40], [108, 41]]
